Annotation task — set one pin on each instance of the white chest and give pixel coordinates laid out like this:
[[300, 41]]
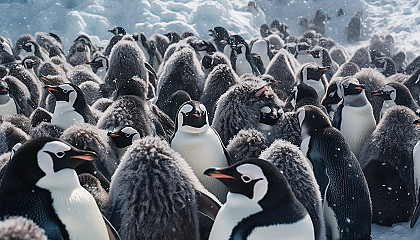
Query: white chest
[[65, 115], [242, 65], [416, 166], [387, 104], [101, 72], [237, 207], [357, 125], [79, 213], [331, 224], [8, 108]]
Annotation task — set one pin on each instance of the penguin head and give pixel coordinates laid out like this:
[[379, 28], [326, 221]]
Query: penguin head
[[192, 117], [29, 47], [311, 119], [387, 93], [331, 96], [124, 136], [256, 179], [270, 115], [380, 64], [118, 31], [291, 48], [99, 62], [83, 39], [38, 161], [4, 71], [65, 92], [351, 86], [5, 47], [238, 44], [29, 63], [312, 72], [219, 33], [417, 122], [4, 88]]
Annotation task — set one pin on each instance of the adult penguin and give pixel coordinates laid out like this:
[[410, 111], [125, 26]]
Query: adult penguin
[[200, 145], [15, 97], [260, 204], [313, 75], [332, 98], [152, 55], [338, 174], [298, 171], [239, 55], [354, 115], [385, 65], [220, 36], [413, 83], [118, 33], [49, 193], [159, 184], [387, 162], [393, 94]]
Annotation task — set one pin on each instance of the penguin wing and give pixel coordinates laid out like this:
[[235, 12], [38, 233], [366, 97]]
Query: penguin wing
[[227, 155], [112, 233], [207, 205], [338, 116], [319, 168], [165, 121]]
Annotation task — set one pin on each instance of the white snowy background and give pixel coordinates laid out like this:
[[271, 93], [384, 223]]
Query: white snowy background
[[70, 18]]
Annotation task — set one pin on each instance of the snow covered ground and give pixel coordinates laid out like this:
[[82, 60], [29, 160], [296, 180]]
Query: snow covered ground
[[69, 18]]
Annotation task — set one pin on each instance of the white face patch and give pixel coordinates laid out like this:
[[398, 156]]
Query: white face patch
[[45, 161], [187, 108], [391, 91], [73, 94], [251, 172], [265, 109], [203, 108], [301, 115], [14, 149], [130, 131]]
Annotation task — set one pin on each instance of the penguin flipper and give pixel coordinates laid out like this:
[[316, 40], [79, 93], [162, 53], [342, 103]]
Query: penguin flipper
[[416, 213], [207, 205], [227, 155], [112, 233], [337, 116]]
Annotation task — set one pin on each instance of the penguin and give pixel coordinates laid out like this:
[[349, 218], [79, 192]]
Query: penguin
[[100, 66], [260, 204], [313, 75], [383, 43], [280, 68], [269, 115], [49, 68], [201, 47], [354, 115], [118, 32], [10, 135], [393, 94], [258, 15], [280, 27], [400, 61], [46, 129], [84, 40], [62, 63], [18, 120], [51, 43], [345, 70], [387, 162], [385, 65], [247, 143], [323, 58], [31, 64], [219, 80], [171, 105], [26, 46], [338, 174], [298, 171], [79, 53], [265, 30], [416, 178], [361, 57], [21, 228], [40, 115], [200, 145], [210, 61], [276, 43], [151, 54], [339, 55], [303, 53], [94, 187], [173, 37], [355, 27], [332, 98], [123, 137], [70, 106], [182, 71], [158, 182], [6, 46], [303, 94], [262, 48], [88, 137], [60, 206], [7, 103], [220, 36], [81, 74], [413, 66], [240, 56], [161, 42]]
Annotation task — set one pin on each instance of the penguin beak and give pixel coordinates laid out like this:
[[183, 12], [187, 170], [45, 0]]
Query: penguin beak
[[20, 46], [45, 79], [51, 88], [295, 116], [4, 91], [377, 93], [113, 135], [417, 122], [86, 156], [111, 31], [212, 172], [324, 69], [360, 87], [90, 63]]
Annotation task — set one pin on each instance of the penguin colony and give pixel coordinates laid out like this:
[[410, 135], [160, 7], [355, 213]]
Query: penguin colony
[[171, 136]]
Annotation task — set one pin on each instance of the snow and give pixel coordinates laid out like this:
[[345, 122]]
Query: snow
[[70, 18]]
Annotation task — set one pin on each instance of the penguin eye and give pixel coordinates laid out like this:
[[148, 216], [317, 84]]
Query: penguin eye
[[60, 154], [127, 135], [246, 179]]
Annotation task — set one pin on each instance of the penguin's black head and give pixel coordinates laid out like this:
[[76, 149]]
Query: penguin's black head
[[219, 33], [29, 63], [118, 31], [417, 122], [4, 88], [311, 119], [192, 115], [386, 93], [207, 61], [28, 47], [124, 136], [270, 115], [316, 53], [82, 39], [352, 87], [257, 179], [331, 96], [37, 161], [4, 71], [67, 92], [99, 62], [313, 72]]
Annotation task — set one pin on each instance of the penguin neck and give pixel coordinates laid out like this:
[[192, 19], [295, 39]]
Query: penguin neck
[[121, 151], [101, 72], [62, 106], [265, 127], [4, 98], [54, 181], [358, 100], [387, 104], [194, 130]]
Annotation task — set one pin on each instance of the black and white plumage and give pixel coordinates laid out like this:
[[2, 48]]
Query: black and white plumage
[[387, 161], [338, 174], [31, 63], [361, 57], [262, 48], [219, 80], [51, 43], [70, 106], [247, 143], [171, 105], [118, 33], [332, 98], [339, 55], [385, 65], [355, 27], [303, 94], [239, 54], [393, 94], [123, 137], [303, 53], [416, 178], [220, 36], [15, 97], [21, 228], [313, 75], [166, 195], [40, 183], [412, 83], [100, 66], [260, 204], [151, 53], [26, 45], [89, 137], [80, 52], [298, 171], [182, 71], [323, 58]]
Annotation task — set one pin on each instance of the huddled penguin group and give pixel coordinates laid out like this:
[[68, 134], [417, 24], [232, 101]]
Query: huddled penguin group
[[176, 136]]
